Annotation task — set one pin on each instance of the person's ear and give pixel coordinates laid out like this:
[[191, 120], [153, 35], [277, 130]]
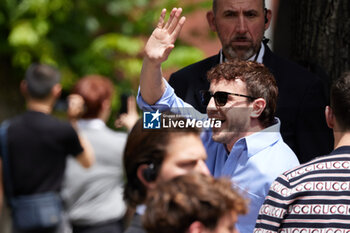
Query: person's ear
[[211, 20], [258, 107], [196, 227], [141, 176], [268, 17], [330, 118], [56, 90]]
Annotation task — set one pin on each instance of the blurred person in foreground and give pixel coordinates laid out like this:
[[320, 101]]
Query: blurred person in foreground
[[153, 156], [193, 203], [315, 196], [94, 197], [38, 144]]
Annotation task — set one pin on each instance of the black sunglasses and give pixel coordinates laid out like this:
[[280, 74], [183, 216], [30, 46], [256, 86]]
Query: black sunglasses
[[220, 97]]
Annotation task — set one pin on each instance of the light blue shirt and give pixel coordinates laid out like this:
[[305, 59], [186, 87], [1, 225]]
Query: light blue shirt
[[254, 162]]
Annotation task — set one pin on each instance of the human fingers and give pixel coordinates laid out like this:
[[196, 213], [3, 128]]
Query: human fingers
[[75, 100], [171, 17], [178, 27], [161, 19], [168, 50], [75, 105], [131, 105], [118, 123], [175, 21]]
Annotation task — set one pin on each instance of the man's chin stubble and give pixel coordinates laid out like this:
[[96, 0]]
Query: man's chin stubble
[[243, 54]]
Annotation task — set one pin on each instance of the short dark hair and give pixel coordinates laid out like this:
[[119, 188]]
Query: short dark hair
[[259, 81], [94, 89], [146, 146], [340, 100], [40, 79], [174, 205], [215, 5]]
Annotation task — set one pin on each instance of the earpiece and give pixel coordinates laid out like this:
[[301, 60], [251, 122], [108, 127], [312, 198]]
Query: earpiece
[[265, 14], [149, 173]]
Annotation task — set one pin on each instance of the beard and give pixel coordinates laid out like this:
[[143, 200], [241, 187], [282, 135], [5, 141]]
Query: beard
[[243, 53]]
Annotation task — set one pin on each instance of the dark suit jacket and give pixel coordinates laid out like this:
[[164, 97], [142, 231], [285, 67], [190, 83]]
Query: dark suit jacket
[[300, 106]]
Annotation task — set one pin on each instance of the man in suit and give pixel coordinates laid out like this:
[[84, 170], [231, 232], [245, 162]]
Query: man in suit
[[240, 26]]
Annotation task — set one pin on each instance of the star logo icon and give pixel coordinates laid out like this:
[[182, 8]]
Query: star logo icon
[[155, 115], [151, 120]]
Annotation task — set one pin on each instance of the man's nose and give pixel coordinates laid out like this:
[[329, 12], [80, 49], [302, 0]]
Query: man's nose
[[242, 26], [212, 108], [211, 104], [202, 168]]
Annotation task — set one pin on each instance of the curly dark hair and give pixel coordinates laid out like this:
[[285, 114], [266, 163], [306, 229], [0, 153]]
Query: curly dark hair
[[174, 205], [259, 81]]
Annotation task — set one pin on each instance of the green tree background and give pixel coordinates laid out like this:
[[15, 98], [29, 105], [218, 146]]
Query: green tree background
[[81, 37], [107, 37]]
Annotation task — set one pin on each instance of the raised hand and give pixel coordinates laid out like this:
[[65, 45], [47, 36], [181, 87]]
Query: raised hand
[[129, 118], [157, 50], [75, 106], [162, 40]]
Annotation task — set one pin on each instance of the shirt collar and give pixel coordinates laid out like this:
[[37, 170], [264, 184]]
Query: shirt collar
[[341, 150], [140, 209], [91, 123], [254, 142], [252, 58]]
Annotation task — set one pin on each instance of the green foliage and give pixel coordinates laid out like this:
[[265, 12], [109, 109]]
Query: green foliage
[[183, 56], [82, 37]]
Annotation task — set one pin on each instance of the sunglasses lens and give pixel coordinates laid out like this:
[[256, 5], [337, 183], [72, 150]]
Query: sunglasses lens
[[220, 98]]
